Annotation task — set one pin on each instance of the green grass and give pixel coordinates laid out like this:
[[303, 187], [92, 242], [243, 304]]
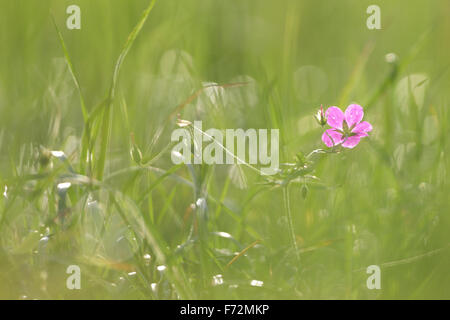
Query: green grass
[[108, 96]]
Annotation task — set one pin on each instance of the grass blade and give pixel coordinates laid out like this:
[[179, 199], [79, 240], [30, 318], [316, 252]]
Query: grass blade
[[72, 71], [107, 117]]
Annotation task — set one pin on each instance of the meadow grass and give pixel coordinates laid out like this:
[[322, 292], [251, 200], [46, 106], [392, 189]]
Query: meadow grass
[[95, 108]]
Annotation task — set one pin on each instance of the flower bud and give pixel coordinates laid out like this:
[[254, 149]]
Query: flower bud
[[320, 117]]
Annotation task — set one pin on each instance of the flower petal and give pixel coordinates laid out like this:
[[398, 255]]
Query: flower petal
[[353, 114], [335, 117], [362, 134], [362, 128], [351, 142], [331, 137]]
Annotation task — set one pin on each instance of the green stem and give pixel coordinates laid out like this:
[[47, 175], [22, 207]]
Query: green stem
[[289, 218]]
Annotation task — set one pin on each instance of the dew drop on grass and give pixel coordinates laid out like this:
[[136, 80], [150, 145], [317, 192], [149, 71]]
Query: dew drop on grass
[[161, 268], [224, 235], [201, 203], [63, 186], [57, 154], [217, 280], [92, 203], [43, 241], [147, 257], [256, 283]]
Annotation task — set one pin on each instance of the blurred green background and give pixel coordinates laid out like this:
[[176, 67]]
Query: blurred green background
[[136, 231]]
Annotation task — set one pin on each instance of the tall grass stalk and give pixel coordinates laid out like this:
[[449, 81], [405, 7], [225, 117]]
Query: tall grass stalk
[[287, 207]]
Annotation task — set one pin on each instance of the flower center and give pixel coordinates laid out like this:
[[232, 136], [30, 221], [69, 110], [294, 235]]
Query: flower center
[[346, 130]]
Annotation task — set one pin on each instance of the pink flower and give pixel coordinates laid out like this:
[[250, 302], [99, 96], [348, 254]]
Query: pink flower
[[346, 129]]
